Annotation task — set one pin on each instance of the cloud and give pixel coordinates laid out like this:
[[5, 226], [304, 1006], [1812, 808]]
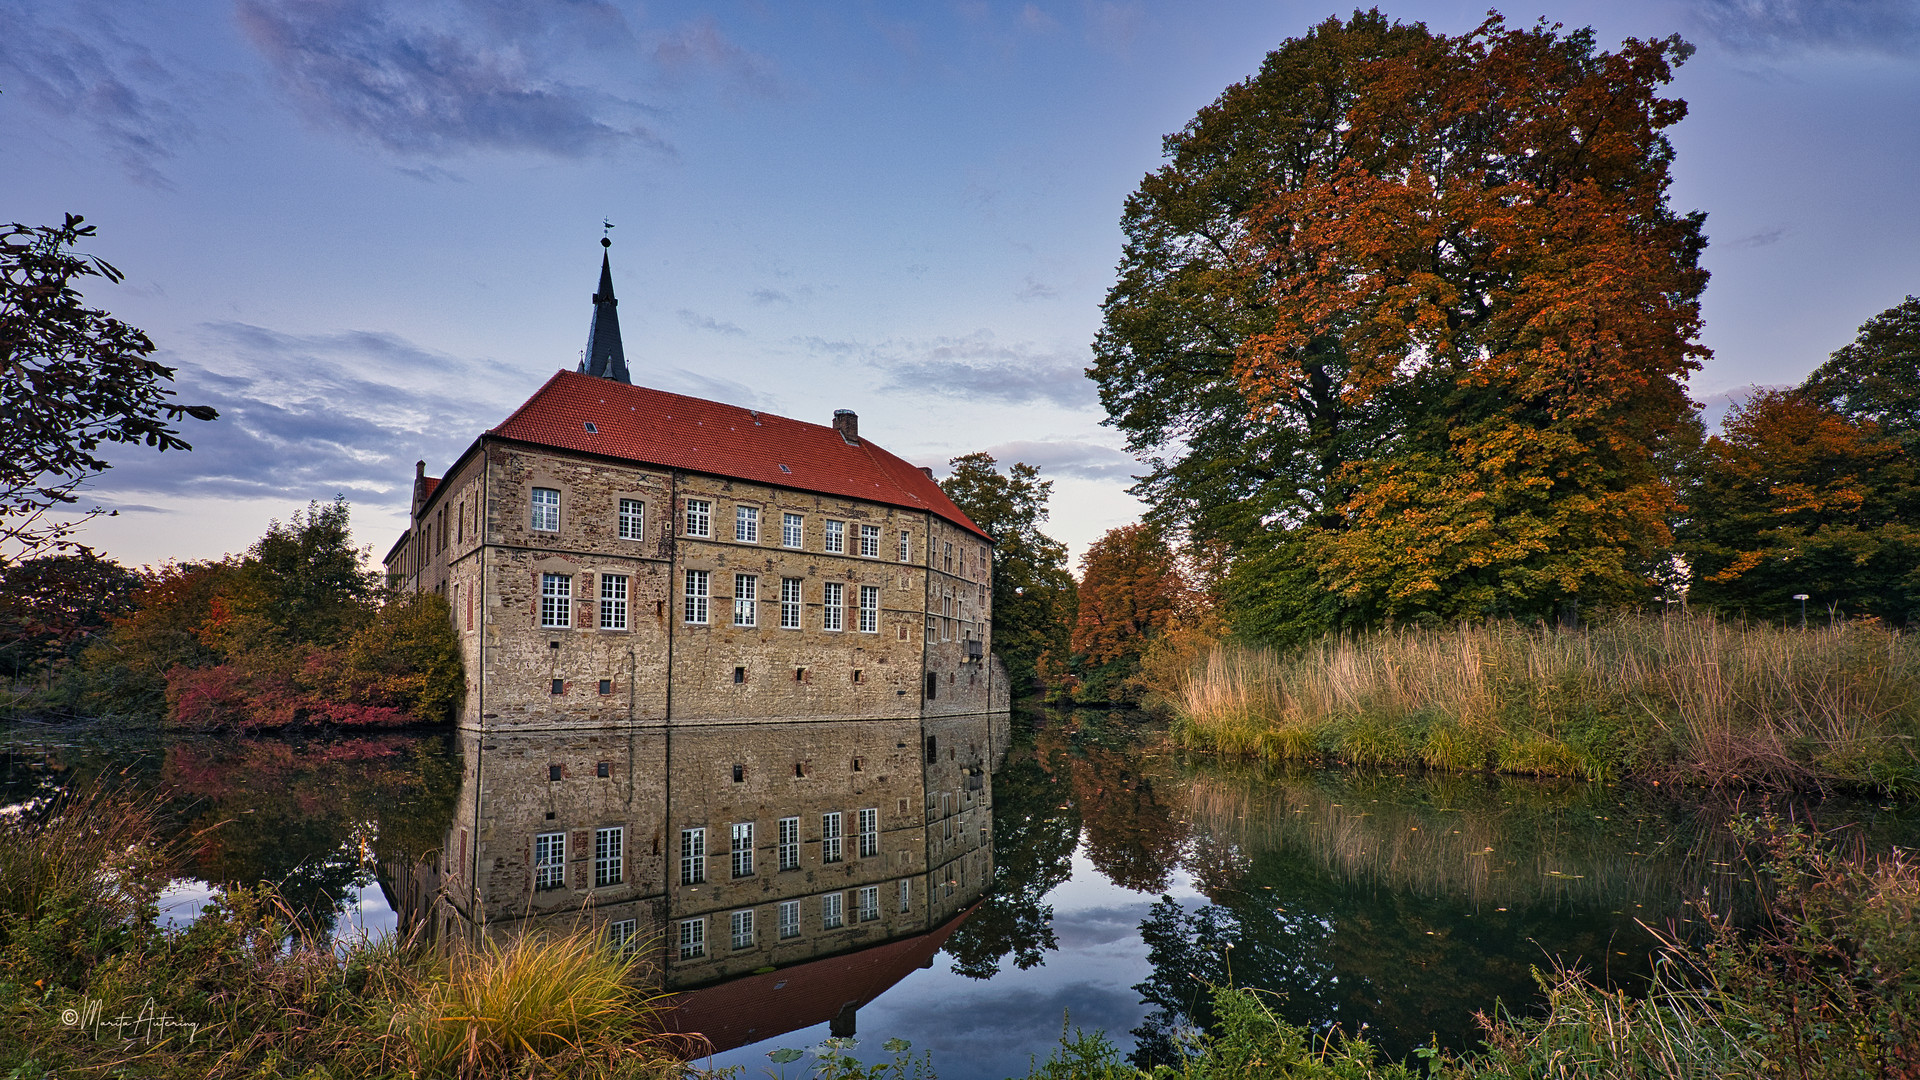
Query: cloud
[[709, 386], [1065, 457], [1113, 27], [1762, 238], [770, 296], [1775, 27], [471, 75], [981, 1022], [91, 71], [707, 322], [979, 366], [700, 46], [1035, 290]]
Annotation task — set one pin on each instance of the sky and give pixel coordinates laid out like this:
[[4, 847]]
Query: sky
[[365, 230]]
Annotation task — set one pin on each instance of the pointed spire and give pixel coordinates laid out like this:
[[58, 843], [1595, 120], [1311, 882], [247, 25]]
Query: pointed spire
[[604, 356]]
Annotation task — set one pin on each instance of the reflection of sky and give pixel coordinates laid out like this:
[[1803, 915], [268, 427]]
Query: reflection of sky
[[987, 1030]]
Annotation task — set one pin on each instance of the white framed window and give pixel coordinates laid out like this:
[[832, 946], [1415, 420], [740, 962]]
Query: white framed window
[[742, 849], [742, 926], [609, 856], [789, 918], [613, 601], [693, 856], [550, 860], [789, 843], [906, 894], [833, 602], [869, 609], [546, 509], [625, 935], [946, 557], [633, 519], [699, 517], [746, 592], [746, 524], [693, 938], [830, 837], [869, 903], [869, 832], [836, 537], [790, 530], [906, 546], [696, 596], [870, 541], [556, 600], [831, 917], [790, 605]]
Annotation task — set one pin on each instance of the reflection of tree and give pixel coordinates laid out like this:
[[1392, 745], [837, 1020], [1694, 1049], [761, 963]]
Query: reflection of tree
[[1128, 798], [1033, 841]]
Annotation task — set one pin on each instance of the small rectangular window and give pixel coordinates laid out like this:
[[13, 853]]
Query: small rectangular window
[[742, 926], [550, 860], [558, 686], [693, 856], [906, 546], [696, 596], [699, 517], [906, 894], [946, 557], [633, 519], [832, 605], [606, 686], [693, 938], [789, 918], [870, 541], [739, 675], [790, 603], [624, 935], [743, 849], [613, 601], [556, 600], [830, 914], [790, 530], [869, 833], [546, 509], [789, 843], [746, 590], [830, 837], [609, 856], [869, 903], [869, 609], [836, 538], [746, 524]]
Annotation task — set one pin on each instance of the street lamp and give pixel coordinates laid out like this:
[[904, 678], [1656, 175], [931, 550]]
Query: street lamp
[[1803, 598]]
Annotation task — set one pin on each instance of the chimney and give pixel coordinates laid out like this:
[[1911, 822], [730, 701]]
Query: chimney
[[926, 471], [848, 425]]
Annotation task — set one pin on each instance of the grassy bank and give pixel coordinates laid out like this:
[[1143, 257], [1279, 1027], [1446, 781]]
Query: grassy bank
[[1680, 698]]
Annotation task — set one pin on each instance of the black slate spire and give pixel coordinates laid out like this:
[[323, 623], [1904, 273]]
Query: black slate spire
[[605, 357]]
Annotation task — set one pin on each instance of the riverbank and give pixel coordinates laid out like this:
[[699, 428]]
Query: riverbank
[[1687, 699]]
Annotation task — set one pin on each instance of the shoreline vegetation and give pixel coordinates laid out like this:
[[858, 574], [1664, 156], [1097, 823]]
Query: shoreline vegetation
[[1685, 698]]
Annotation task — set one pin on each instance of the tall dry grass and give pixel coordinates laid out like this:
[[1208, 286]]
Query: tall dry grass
[[1679, 697]]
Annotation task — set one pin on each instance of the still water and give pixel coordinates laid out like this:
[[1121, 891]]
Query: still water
[[967, 884]]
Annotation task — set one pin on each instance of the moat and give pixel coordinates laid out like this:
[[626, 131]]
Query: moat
[[966, 888]]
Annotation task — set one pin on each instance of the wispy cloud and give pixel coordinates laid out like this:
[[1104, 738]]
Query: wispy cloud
[[975, 366], [1763, 238], [707, 322], [1067, 457], [1776, 27], [1035, 290], [700, 47]]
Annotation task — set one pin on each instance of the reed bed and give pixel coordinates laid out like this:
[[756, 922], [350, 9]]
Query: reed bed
[[1679, 698]]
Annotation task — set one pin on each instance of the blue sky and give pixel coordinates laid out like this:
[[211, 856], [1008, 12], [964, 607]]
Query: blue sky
[[366, 229]]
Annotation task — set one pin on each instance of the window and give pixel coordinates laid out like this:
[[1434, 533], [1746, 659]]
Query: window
[[830, 917], [946, 557], [832, 605], [789, 918], [789, 843], [790, 603], [746, 588], [869, 833], [699, 517], [870, 541], [743, 849], [609, 856], [746, 524], [556, 600], [633, 519], [837, 537], [906, 546], [869, 609], [742, 929], [550, 860], [546, 510], [693, 856], [697, 596], [906, 894], [790, 530], [870, 903], [625, 935], [739, 675], [830, 837], [606, 686], [559, 687], [693, 938], [613, 601]]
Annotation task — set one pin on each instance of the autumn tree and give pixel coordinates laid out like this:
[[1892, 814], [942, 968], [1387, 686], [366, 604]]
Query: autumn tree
[[1129, 588], [1033, 592], [54, 606], [1877, 376]]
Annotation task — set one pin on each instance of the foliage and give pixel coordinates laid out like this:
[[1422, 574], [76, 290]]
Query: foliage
[[1877, 376], [408, 657], [303, 583], [125, 673], [1033, 593], [53, 606], [1796, 497], [72, 378]]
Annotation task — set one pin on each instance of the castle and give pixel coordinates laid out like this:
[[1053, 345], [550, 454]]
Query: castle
[[617, 555]]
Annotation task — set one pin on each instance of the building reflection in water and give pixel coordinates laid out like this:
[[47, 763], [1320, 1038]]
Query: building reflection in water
[[775, 875]]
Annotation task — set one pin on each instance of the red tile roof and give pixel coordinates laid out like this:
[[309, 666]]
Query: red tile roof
[[652, 426]]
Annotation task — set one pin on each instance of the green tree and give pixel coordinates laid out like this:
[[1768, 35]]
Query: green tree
[[303, 583], [72, 379], [54, 606], [1033, 593], [1877, 376]]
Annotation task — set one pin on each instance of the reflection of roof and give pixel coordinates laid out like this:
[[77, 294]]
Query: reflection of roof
[[755, 1007], [639, 423]]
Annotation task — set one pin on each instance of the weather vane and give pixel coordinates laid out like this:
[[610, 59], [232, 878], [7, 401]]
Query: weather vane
[[604, 226]]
